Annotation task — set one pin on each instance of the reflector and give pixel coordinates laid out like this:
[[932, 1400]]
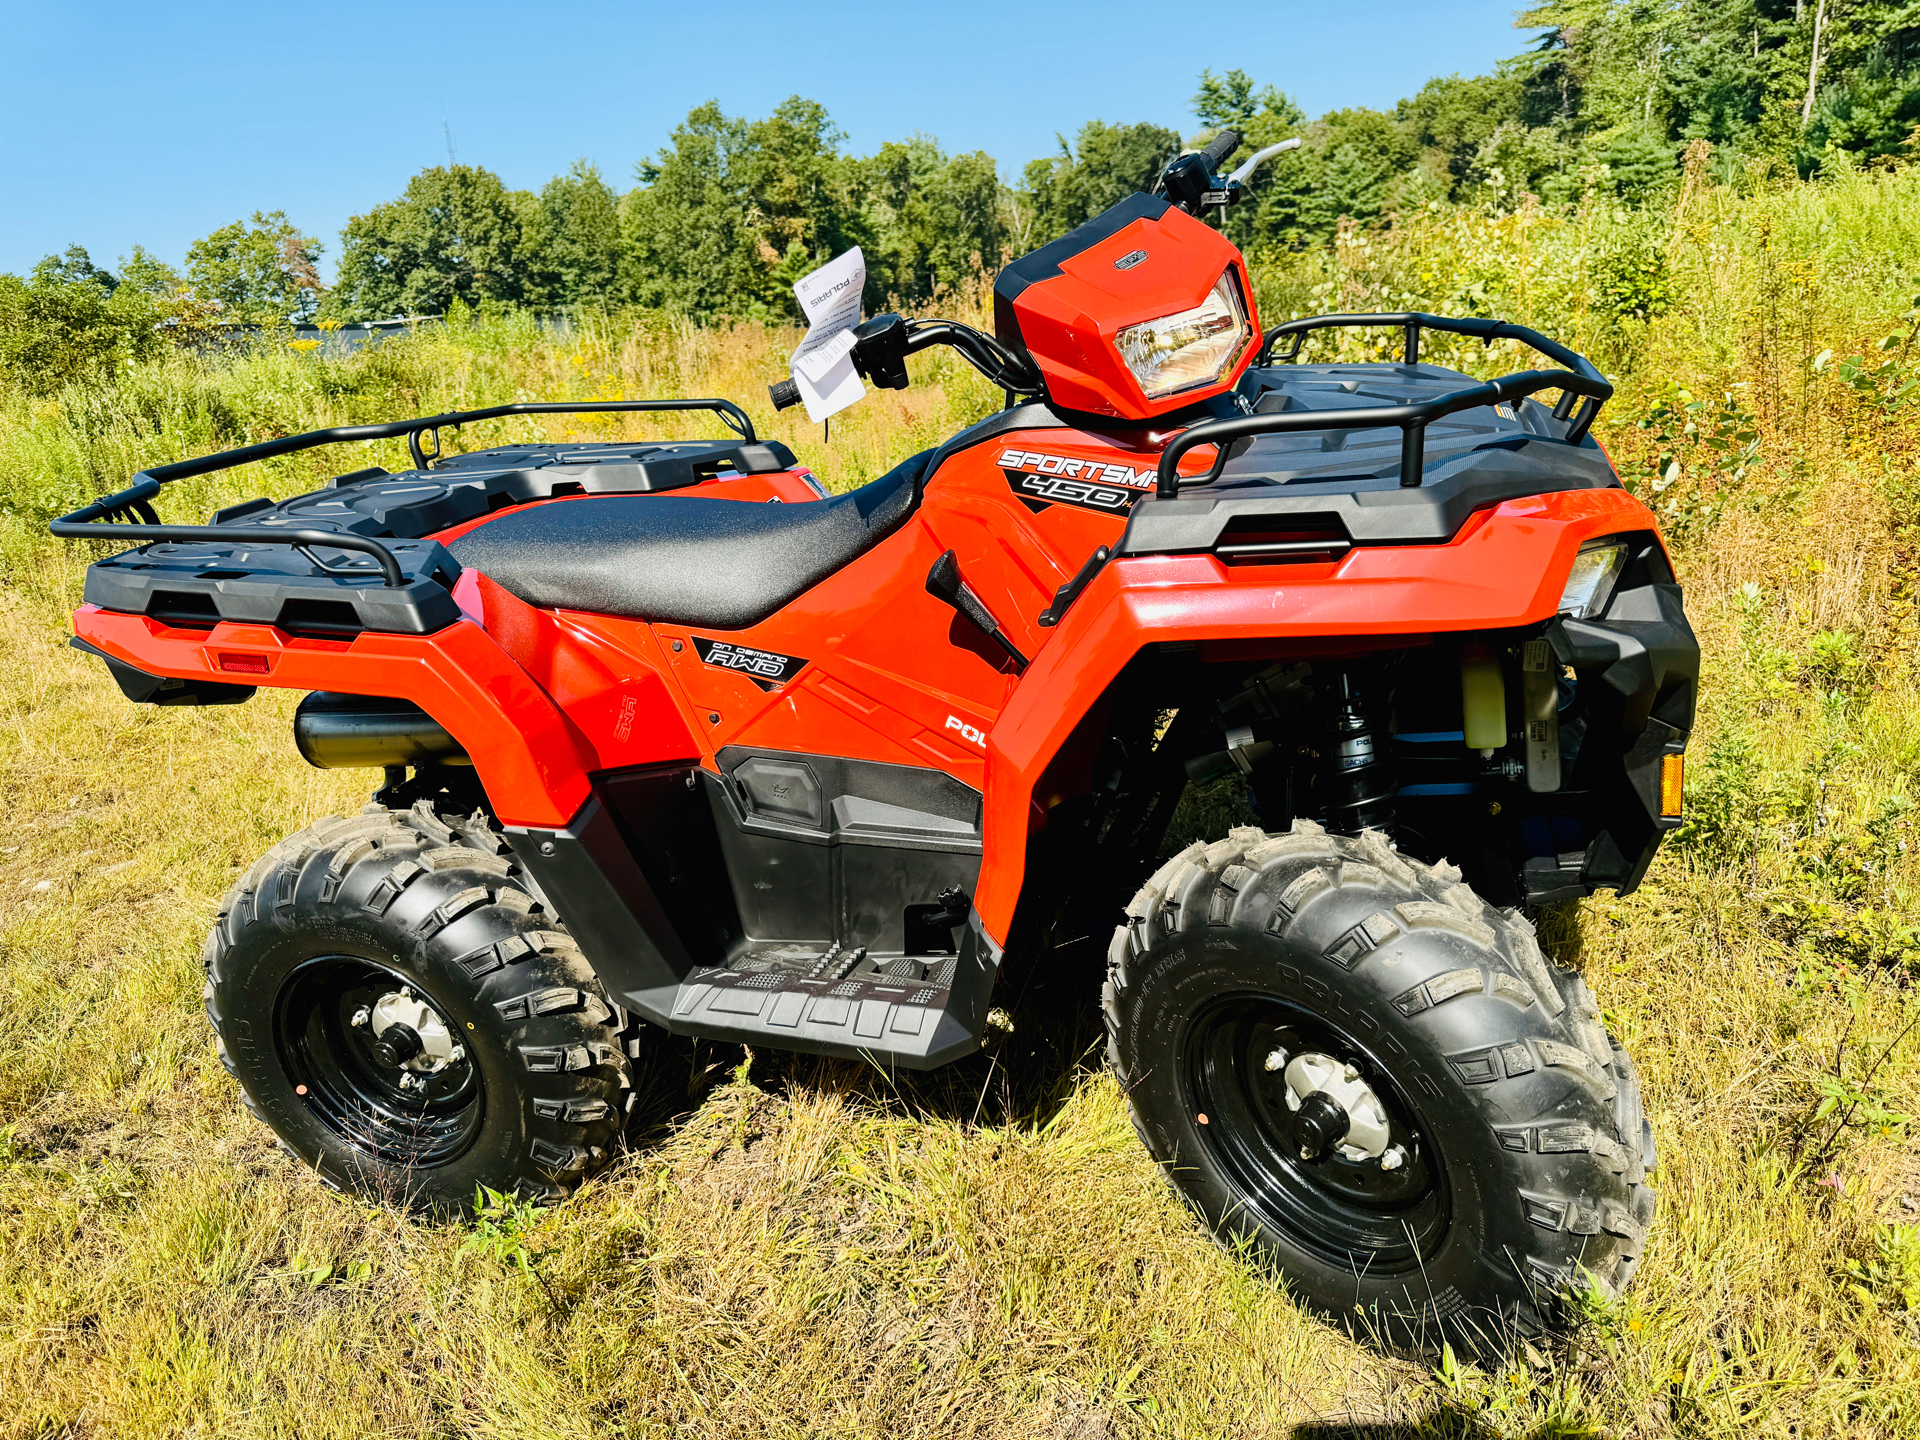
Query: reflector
[[1671, 767]]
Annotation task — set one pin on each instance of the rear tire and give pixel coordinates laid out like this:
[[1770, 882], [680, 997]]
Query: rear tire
[[1519, 1117], [524, 1079]]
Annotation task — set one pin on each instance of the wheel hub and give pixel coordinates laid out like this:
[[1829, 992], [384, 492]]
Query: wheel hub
[[411, 1034], [1273, 1079], [1335, 1108]]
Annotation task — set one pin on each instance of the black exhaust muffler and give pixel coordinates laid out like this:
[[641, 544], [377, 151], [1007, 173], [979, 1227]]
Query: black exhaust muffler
[[350, 732]]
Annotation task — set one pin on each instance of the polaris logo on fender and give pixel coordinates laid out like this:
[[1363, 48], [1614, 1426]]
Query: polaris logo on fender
[[1065, 480], [972, 734], [765, 668]]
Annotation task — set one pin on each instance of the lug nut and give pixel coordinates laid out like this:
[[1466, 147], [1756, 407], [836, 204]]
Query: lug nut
[[1350, 1074], [1276, 1058], [362, 1016], [1393, 1158]]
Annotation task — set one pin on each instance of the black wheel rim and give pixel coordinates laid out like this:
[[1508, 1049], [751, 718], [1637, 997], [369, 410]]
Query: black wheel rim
[[331, 1065], [1353, 1213]]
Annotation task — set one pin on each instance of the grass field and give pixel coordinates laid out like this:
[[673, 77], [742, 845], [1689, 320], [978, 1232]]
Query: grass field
[[816, 1248]]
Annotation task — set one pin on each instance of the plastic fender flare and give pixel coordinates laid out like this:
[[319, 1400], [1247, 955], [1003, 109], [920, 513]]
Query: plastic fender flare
[[523, 749], [1375, 592]]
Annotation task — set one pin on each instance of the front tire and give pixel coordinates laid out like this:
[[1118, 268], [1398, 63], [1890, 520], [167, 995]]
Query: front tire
[[399, 1009], [1511, 1123]]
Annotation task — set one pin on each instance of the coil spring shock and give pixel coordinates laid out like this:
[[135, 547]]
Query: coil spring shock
[[1357, 785]]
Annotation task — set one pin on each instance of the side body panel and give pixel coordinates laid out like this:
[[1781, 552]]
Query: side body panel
[[864, 760]]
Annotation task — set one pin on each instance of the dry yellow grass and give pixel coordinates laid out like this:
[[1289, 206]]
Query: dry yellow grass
[[814, 1248]]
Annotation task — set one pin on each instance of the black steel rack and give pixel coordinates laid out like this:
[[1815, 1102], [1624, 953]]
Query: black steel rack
[[129, 514], [1580, 382]]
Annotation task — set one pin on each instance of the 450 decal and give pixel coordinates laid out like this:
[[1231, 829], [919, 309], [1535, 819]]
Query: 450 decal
[[1067, 480]]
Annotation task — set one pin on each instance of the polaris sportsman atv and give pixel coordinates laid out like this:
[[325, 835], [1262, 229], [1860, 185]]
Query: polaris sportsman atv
[[676, 743]]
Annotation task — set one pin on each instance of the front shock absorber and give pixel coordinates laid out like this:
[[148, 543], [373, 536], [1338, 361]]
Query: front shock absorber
[[1357, 786]]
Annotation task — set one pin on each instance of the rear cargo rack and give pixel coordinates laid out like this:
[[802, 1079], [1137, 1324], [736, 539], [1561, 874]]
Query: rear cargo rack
[[1580, 380], [129, 514]]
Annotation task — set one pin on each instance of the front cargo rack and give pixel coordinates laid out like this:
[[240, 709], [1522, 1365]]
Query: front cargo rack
[[129, 514], [1580, 381]]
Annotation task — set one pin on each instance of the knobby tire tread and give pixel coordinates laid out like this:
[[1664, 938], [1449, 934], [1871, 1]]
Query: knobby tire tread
[[1420, 945], [442, 891]]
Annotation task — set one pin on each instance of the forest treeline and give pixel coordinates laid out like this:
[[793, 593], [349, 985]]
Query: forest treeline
[[722, 220]]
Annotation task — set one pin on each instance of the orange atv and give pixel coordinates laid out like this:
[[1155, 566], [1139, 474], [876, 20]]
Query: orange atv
[[675, 743]]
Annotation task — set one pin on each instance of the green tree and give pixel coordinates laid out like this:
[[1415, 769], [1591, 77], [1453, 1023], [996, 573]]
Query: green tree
[[70, 321], [732, 212], [452, 235], [261, 270], [571, 240], [74, 267], [1105, 164], [1262, 116], [1788, 77], [147, 273], [1519, 160], [1452, 119], [1869, 112], [932, 220], [1346, 170]]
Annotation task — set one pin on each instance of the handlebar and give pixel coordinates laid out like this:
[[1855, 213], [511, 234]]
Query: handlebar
[[882, 345], [1223, 145], [1253, 162]]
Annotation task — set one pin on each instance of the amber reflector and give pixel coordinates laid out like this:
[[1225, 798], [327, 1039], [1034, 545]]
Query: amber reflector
[[1671, 783]]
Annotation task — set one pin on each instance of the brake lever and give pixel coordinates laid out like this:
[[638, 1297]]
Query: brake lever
[[1248, 166]]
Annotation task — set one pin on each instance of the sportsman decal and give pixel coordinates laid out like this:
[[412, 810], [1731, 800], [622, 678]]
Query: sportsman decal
[[1042, 479], [767, 669]]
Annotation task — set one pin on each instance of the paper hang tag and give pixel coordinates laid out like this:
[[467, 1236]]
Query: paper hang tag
[[822, 366], [817, 362], [839, 388]]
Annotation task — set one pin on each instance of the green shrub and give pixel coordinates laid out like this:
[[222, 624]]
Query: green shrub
[[55, 331]]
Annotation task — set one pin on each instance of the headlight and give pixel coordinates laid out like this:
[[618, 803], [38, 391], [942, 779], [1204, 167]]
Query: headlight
[[1590, 584], [1191, 347]]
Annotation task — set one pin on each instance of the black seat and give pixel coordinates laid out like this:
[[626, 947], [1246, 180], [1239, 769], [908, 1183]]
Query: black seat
[[728, 564]]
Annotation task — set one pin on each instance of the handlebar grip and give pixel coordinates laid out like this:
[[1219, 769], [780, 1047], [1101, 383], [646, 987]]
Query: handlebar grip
[[784, 393], [1225, 144]]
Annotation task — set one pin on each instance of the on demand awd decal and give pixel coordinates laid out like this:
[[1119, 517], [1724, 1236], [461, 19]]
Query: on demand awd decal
[[765, 668], [1063, 480]]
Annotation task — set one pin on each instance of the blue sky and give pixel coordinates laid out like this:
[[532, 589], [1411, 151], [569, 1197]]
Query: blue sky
[[153, 123]]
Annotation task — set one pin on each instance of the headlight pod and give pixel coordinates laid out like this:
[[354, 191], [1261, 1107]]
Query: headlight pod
[[1190, 347], [1590, 585]]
